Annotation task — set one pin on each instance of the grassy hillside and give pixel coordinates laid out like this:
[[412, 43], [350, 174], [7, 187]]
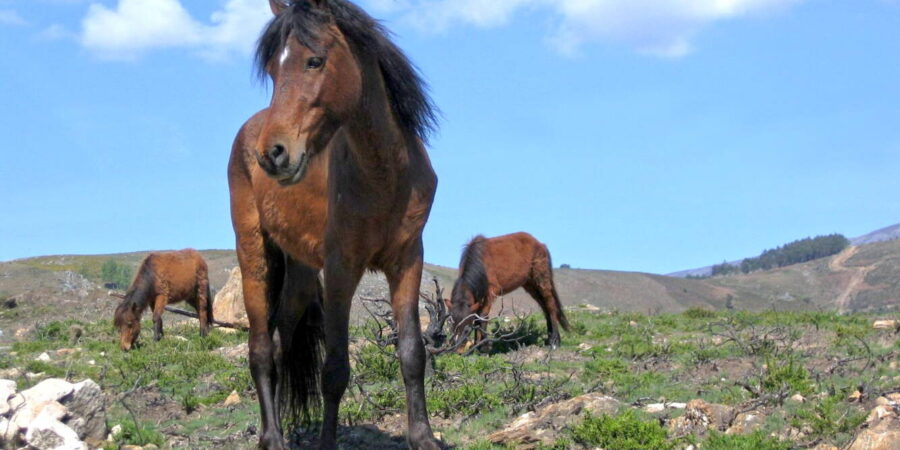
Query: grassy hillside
[[783, 380]]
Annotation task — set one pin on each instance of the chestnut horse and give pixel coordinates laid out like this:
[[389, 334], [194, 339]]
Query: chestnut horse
[[332, 175], [496, 266], [162, 279]]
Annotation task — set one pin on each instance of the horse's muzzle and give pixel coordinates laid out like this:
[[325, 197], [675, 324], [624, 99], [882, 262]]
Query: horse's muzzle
[[277, 164]]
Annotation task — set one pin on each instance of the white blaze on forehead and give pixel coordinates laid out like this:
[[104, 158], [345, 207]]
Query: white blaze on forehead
[[284, 55]]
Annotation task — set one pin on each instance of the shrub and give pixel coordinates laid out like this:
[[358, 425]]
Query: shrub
[[699, 313], [139, 434], [753, 441], [625, 431]]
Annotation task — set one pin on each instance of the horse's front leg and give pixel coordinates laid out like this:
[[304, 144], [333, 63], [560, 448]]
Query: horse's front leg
[[341, 278], [404, 283], [159, 307]]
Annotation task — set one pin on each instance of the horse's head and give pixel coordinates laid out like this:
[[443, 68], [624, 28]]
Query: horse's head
[[317, 83], [128, 322], [464, 310]]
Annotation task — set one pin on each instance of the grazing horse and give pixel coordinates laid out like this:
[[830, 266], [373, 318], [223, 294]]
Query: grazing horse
[[492, 267], [162, 279], [333, 175]]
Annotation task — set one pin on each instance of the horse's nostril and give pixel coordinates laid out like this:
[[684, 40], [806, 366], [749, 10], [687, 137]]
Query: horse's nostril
[[278, 156]]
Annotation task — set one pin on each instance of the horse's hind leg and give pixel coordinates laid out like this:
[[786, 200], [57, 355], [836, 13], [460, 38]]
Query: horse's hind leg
[[553, 339], [298, 321], [404, 284], [159, 307]]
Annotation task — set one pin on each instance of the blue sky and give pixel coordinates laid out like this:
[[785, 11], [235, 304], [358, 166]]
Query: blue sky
[[646, 135]]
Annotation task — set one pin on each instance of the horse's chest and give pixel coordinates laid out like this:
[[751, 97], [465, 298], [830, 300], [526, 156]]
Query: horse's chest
[[295, 221]]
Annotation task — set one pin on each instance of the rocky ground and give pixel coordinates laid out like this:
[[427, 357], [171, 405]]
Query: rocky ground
[[700, 379]]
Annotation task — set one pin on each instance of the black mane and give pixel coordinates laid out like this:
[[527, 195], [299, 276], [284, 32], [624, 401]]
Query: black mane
[[472, 274], [409, 99], [137, 297]]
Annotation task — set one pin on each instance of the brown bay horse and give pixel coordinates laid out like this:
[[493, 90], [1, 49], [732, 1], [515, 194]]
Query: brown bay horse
[[492, 267], [164, 278], [332, 176]]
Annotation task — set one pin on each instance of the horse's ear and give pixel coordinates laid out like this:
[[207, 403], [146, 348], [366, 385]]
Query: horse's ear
[[277, 6]]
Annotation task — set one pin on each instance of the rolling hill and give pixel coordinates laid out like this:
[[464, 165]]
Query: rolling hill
[[863, 278]]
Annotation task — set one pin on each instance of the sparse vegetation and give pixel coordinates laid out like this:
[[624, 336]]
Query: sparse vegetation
[[625, 431], [743, 360]]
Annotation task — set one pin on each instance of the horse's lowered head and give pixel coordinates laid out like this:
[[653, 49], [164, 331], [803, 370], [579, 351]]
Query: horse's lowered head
[[128, 322], [317, 84]]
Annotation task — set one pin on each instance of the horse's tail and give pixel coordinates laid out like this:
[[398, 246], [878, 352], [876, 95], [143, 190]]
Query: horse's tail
[[301, 366], [561, 314], [472, 273]]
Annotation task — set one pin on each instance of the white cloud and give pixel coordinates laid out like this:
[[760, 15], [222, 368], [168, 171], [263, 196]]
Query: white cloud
[[11, 17], [56, 32], [136, 26], [659, 27]]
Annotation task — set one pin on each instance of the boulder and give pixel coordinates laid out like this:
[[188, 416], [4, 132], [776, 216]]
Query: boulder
[[47, 433], [533, 429], [883, 435], [233, 399], [7, 391], [29, 412], [884, 324], [228, 305], [86, 404], [51, 389], [53, 414], [8, 433]]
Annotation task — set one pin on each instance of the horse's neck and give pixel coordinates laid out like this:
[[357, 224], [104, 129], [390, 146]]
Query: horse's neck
[[375, 141]]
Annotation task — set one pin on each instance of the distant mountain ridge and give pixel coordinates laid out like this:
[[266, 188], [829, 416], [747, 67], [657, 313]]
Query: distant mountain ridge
[[884, 234]]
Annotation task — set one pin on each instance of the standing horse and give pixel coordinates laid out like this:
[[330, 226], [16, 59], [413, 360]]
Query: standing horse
[[164, 278], [491, 267], [332, 175]]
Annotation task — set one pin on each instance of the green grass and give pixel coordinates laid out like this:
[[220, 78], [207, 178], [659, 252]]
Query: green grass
[[635, 358], [625, 431]]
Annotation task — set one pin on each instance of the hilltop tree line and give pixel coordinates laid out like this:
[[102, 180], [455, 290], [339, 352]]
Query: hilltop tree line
[[795, 252]]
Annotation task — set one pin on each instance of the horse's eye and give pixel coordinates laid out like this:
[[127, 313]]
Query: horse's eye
[[315, 62]]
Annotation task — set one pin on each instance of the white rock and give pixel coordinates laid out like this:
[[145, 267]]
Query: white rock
[[8, 432], [7, 391], [45, 357], [47, 433], [31, 376], [884, 324], [29, 412], [654, 408], [52, 389]]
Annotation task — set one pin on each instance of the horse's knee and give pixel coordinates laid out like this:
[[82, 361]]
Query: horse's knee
[[260, 355]]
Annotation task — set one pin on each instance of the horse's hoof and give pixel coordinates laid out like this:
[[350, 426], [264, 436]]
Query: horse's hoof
[[327, 444], [426, 444], [271, 442]]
